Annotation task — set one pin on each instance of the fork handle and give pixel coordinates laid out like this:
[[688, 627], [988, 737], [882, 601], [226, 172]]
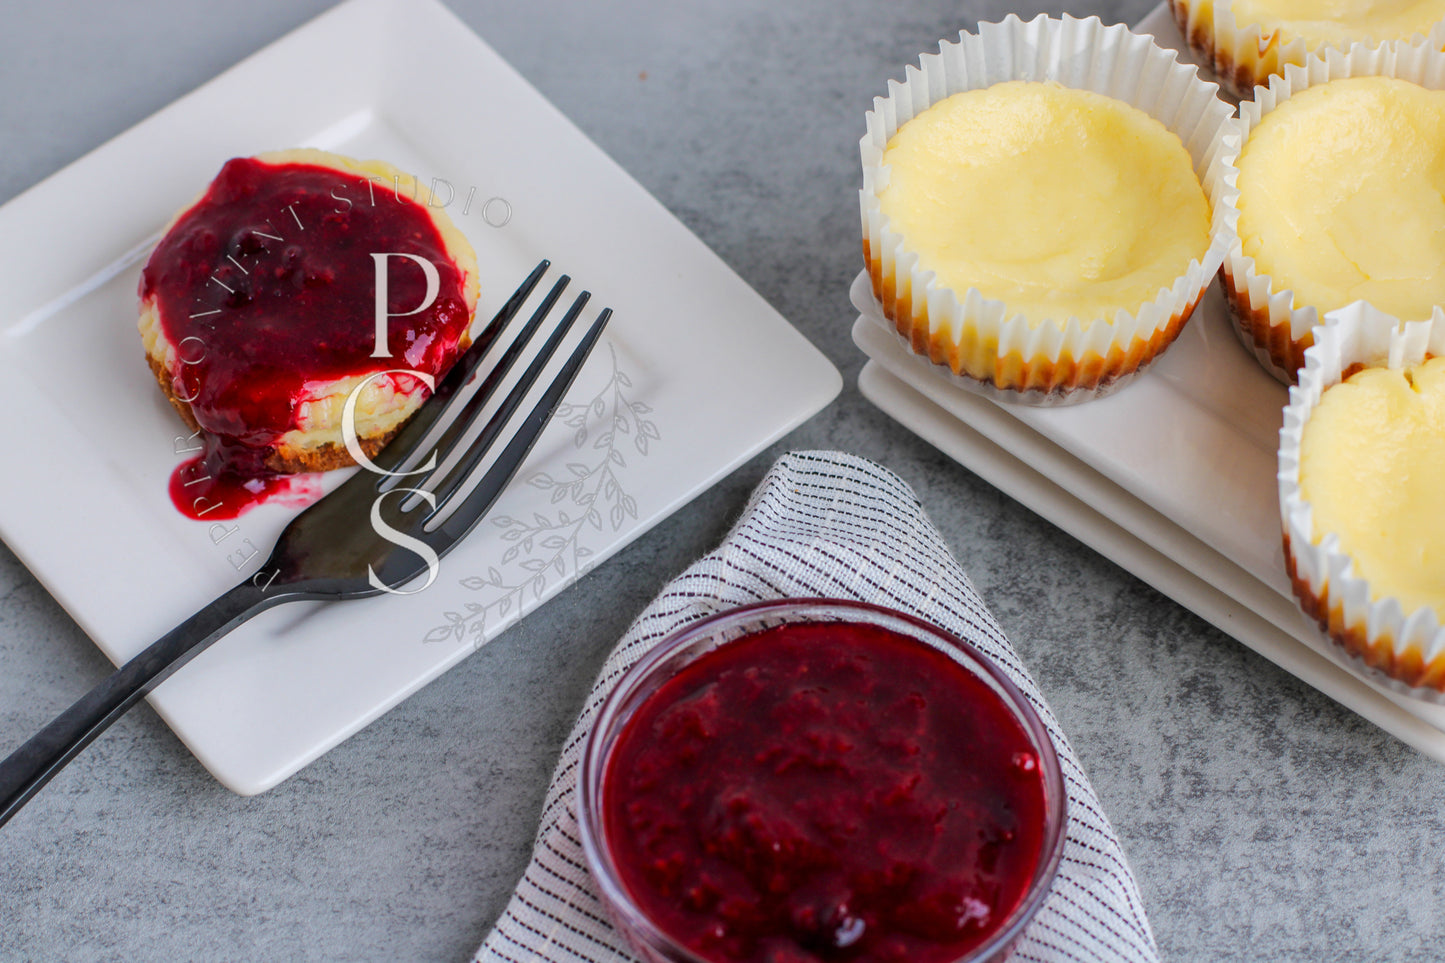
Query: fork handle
[[31, 766]]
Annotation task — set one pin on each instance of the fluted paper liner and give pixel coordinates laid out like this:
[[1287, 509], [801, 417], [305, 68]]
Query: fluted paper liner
[[988, 348], [1244, 56], [1267, 320], [1403, 651]]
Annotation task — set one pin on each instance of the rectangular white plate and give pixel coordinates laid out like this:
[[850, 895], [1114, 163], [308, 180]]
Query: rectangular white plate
[[1172, 478], [661, 411]]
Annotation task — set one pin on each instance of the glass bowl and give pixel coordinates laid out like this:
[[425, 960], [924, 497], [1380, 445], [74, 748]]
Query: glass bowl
[[654, 670]]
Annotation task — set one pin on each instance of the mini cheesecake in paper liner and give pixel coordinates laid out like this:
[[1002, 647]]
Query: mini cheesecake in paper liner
[[1245, 55], [1266, 317], [1403, 651], [987, 347]]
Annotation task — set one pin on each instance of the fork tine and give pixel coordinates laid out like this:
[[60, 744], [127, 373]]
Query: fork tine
[[446, 486], [458, 424], [409, 439], [480, 496]]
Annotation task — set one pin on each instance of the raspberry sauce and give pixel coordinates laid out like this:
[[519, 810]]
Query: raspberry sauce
[[266, 284], [825, 791]]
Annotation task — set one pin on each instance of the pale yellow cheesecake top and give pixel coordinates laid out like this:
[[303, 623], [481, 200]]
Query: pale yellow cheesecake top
[[1058, 202], [1340, 22], [1372, 456], [1341, 196]]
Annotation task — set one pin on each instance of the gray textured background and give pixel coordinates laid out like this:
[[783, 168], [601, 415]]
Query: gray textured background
[[1263, 820]]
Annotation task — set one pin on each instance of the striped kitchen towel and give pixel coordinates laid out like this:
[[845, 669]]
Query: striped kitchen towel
[[835, 525]]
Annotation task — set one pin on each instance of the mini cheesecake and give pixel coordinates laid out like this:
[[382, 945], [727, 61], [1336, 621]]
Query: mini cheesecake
[[1067, 209], [1060, 203], [1371, 460], [1340, 200], [1245, 41], [258, 307], [1362, 450]]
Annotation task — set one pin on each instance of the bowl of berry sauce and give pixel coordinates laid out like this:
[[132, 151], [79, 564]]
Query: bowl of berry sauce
[[810, 780]]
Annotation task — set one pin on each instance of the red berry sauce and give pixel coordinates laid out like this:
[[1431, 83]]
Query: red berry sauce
[[825, 791], [267, 283]]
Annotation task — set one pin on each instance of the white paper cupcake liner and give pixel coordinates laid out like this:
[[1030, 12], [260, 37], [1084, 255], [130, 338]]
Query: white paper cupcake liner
[[1403, 651], [1267, 321], [1244, 56], [1040, 364]]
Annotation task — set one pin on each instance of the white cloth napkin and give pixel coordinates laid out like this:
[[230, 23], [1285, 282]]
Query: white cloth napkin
[[825, 524]]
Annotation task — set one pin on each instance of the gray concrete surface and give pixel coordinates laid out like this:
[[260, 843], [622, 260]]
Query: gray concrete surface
[[1264, 821]]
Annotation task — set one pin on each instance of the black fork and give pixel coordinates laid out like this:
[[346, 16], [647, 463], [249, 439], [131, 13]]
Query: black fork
[[385, 526]]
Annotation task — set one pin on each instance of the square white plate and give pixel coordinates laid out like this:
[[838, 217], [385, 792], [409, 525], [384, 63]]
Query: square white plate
[[1172, 477], [661, 411]]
